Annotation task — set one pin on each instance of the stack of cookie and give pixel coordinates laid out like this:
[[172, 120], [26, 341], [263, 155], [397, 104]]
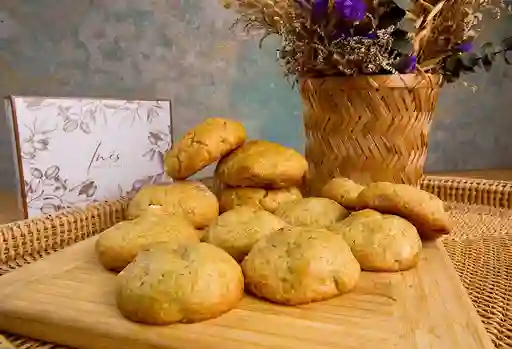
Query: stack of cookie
[[256, 173], [260, 174], [257, 232]]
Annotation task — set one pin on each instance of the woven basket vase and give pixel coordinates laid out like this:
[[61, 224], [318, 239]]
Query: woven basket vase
[[368, 128]]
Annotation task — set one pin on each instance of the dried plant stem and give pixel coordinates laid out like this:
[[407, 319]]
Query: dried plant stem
[[426, 28], [384, 39]]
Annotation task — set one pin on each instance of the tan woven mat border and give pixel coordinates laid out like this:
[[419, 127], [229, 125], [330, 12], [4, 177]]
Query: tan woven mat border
[[480, 246]]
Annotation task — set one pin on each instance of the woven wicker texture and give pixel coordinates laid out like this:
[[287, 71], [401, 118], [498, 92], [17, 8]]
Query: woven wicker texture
[[470, 191], [26, 241], [481, 250], [480, 246], [368, 129]]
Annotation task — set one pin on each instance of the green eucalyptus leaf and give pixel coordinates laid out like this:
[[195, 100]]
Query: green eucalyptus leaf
[[404, 4], [506, 45], [403, 46], [400, 34], [488, 50], [459, 63], [453, 64], [392, 16], [469, 60], [486, 62], [487, 57], [408, 25], [507, 57]]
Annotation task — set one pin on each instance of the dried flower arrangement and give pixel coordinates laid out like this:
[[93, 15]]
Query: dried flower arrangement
[[353, 37]]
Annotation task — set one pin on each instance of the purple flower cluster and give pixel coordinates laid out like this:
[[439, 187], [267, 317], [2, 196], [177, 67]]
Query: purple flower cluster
[[320, 9], [464, 47], [350, 10], [406, 64]]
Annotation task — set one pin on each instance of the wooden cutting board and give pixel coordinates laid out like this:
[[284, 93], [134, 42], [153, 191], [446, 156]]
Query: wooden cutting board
[[67, 298]]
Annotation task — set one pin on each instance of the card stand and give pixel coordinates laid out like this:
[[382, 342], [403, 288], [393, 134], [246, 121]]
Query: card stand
[[70, 152]]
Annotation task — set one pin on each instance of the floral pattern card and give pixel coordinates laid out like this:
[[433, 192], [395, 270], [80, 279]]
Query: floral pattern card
[[72, 152]]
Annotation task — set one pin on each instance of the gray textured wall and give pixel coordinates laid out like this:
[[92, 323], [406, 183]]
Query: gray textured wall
[[183, 50]]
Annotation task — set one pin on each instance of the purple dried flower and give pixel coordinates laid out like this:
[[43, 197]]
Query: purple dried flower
[[406, 64], [464, 47], [371, 36], [351, 10], [413, 61], [320, 9]]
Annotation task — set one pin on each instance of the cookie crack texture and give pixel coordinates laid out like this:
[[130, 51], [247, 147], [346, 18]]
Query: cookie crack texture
[[203, 145]]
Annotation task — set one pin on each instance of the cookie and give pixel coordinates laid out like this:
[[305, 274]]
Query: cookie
[[267, 199], [203, 145], [424, 210], [311, 212], [300, 265], [381, 242], [191, 199], [342, 190], [237, 230], [118, 246], [185, 283], [262, 164]]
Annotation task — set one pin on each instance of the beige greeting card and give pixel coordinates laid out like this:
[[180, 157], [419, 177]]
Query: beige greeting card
[[72, 152]]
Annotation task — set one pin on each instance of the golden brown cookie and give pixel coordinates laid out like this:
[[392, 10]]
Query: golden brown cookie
[[380, 242], [237, 230], [424, 210], [262, 164], [188, 198], [203, 145], [299, 265], [342, 190], [311, 212], [118, 246], [267, 199], [184, 283]]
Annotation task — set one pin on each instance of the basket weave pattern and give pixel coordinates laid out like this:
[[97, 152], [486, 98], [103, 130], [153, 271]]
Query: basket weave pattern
[[368, 129], [27, 241], [480, 246], [481, 250]]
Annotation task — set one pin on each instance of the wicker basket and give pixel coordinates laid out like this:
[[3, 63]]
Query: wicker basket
[[480, 247], [368, 128]]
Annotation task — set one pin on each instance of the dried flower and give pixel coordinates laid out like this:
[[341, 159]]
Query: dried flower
[[320, 9], [406, 64], [464, 47], [351, 10], [352, 37]]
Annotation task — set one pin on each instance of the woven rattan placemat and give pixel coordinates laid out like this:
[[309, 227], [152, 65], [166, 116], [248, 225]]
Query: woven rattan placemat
[[480, 246]]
